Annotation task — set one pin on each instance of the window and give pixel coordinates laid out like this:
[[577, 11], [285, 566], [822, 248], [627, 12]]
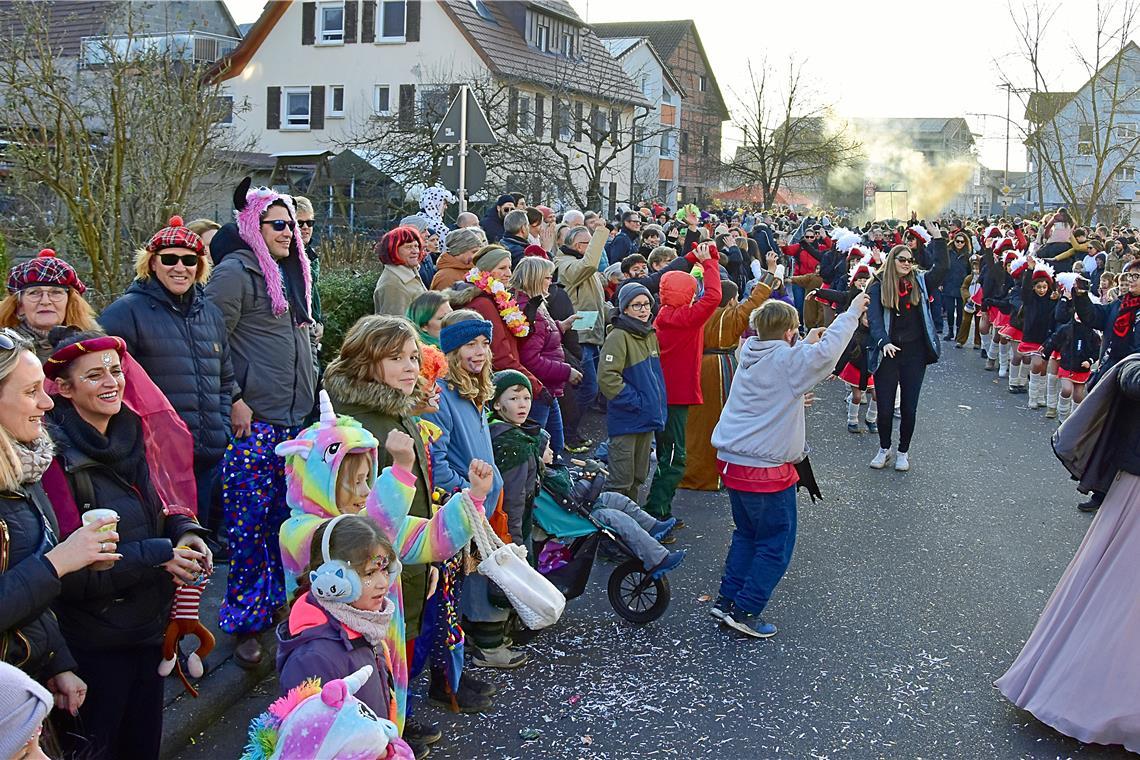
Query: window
[[225, 104], [667, 143], [433, 105], [684, 142], [335, 107], [1126, 132], [331, 24], [565, 122], [646, 86], [382, 100], [703, 83], [542, 37], [705, 143], [296, 108], [526, 115], [663, 190], [390, 21], [640, 142], [567, 44], [1085, 140], [1126, 173]]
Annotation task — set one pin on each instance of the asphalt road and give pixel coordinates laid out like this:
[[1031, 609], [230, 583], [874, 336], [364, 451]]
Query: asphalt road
[[907, 596]]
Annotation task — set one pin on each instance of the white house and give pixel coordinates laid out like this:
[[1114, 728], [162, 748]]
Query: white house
[[311, 72], [654, 168], [1083, 147]]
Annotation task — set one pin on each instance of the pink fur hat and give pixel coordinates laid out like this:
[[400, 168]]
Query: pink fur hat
[[251, 205]]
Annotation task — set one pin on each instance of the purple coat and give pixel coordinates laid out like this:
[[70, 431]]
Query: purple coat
[[541, 350]]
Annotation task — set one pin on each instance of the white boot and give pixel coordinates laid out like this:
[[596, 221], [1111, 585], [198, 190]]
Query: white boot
[[1052, 391], [1064, 409], [1014, 375], [853, 418], [1026, 373], [1003, 360], [1035, 391], [987, 345], [873, 416]]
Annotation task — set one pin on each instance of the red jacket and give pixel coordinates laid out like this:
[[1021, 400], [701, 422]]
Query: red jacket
[[680, 327], [504, 345]]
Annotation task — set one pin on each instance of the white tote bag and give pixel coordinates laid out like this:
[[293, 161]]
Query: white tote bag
[[536, 600]]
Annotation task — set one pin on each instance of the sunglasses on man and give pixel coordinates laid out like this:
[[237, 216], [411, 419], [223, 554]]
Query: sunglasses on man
[[279, 225], [306, 222], [188, 260]]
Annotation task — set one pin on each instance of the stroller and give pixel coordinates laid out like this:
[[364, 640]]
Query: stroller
[[572, 536]]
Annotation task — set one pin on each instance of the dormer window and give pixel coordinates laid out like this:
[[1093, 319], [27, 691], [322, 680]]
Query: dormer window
[[567, 45], [552, 34], [542, 37]]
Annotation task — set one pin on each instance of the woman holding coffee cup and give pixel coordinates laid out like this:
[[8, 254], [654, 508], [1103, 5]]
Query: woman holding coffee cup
[[113, 620], [36, 559]]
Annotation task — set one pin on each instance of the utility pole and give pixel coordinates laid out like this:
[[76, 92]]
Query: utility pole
[[463, 149], [1005, 179]]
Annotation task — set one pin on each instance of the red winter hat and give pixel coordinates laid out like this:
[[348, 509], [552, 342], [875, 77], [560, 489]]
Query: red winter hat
[[677, 288], [45, 269], [176, 235], [537, 251]]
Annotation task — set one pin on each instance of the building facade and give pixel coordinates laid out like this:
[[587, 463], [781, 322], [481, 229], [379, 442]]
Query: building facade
[[704, 112]]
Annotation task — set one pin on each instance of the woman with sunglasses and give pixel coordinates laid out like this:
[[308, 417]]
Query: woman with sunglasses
[[903, 338], [36, 559], [263, 287], [114, 618], [179, 337], [43, 293]]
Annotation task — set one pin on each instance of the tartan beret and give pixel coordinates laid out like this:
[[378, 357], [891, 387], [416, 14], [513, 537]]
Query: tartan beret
[[176, 235], [46, 269]]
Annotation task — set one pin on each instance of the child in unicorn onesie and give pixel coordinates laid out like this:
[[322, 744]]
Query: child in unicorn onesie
[[329, 468]]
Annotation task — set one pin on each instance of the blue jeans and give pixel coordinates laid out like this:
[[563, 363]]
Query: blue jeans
[[588, 388], [798, 295], [549, 418], [761, 547]]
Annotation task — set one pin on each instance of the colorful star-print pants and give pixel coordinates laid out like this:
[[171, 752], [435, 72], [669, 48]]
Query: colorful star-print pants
[[253, 499]]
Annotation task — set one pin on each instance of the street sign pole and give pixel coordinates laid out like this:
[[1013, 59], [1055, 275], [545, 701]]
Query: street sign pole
[[463, 149]]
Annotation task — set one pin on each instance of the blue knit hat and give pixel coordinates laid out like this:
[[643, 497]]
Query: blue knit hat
[[455, 335], [630, 291]]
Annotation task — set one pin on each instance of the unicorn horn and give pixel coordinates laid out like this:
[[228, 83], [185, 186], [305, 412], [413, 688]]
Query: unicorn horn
[[328, 416], [358, 679]]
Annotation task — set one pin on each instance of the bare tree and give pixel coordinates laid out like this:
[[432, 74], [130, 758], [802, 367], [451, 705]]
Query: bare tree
[[1082, 141], [786, 135], [109, 144]]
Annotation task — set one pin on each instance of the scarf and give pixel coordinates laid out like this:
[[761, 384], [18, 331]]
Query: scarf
[[34, 460], [569, 251], [904, 295], [632, 326], [371, 624], [516, 445], [121, 450], [39, 339], [1126, 317]]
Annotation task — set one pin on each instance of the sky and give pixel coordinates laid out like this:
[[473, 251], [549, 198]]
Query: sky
[[874, 58]]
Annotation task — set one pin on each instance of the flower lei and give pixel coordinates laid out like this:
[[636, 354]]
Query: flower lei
[[508, 308]]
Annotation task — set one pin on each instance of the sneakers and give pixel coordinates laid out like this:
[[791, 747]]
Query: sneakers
[[465, 700], [486, 688], [669, 563], [902, 462], [872, 427], [662, 528], [722, 608], [880, 460], [501, 657], [1092, 505], [578, 447], [750, 625], [421, 732], [1050, 413], [991, 365], [853, 427]]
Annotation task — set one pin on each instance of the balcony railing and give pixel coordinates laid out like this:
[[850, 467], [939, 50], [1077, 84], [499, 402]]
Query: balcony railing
[[196, 47]]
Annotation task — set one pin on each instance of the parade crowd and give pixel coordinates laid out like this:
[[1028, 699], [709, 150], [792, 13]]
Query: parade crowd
[[192, 423]]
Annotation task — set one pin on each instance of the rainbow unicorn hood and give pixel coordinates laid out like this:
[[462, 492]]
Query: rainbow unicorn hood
[[312, 462], [312, 722]]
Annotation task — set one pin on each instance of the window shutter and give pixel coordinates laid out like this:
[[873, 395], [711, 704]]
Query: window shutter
[[615, 125], [273, 108], [350, 21], [308, 23], [513, 111], [412, 21], [555, 117], [578, 121], [368, 21], [406, 120], [317, 107], [539, 114]]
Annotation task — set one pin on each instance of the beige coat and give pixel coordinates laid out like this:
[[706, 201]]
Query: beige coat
[[396, 288], [583, 284]]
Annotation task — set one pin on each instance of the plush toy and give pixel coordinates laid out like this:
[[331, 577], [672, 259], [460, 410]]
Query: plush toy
[[329, 723], [184, 621]]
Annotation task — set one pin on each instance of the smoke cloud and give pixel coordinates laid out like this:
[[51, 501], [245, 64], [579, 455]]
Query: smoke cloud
[[890, 163]]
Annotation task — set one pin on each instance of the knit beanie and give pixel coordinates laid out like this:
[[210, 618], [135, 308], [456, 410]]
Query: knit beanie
[[491, 257], [176, 235], [464, 239], [506, 379], [505, 198], [23, 706], [455, 335], [630, 291]]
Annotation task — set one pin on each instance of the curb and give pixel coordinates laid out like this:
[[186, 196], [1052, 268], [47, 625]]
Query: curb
[[186, 717]]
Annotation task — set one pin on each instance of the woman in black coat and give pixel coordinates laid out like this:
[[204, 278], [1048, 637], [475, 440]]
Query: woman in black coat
[[114, 619], [32, 559], [179, 338]]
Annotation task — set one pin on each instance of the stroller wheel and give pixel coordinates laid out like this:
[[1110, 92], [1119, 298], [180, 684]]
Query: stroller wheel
[[636, 596]]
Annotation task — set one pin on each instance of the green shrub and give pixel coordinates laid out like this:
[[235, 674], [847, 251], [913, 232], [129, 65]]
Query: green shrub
[[346, 296]]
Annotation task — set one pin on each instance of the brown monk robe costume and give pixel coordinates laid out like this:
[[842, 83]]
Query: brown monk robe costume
[[718, 365]]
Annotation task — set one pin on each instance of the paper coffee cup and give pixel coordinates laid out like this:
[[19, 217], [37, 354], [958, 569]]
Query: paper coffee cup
[[94, 515]]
